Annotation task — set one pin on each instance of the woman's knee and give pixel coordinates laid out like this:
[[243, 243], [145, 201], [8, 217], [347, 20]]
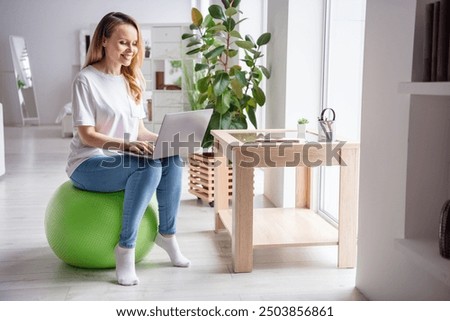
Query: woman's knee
[[150, 168], [172, 165]]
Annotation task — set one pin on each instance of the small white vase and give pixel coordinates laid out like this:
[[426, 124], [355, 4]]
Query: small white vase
[[301, 131]]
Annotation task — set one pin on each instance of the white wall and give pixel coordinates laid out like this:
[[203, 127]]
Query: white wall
[[294, 89], [2, 143], [50, 28], [304, 72], [254, 25], [383, 179], [384, 271], [277, 25], [342, 86], [345, 61]]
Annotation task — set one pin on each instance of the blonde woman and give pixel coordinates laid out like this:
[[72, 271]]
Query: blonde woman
[[108, 115]]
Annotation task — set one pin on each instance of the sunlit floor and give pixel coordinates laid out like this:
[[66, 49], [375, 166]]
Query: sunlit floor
[[35, 161]]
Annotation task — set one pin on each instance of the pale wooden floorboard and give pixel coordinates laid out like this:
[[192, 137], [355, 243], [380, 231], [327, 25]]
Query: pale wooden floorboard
[[35, 161]]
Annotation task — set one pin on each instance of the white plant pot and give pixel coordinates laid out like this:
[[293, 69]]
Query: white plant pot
[[301, 131]]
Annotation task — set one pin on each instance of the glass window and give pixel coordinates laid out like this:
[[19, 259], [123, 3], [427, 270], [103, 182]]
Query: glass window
[[342, 84]]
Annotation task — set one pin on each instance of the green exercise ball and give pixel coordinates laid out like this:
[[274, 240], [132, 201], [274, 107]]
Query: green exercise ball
[[83, 228]]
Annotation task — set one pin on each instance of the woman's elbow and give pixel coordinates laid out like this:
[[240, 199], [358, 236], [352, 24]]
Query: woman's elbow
[[85, 135]]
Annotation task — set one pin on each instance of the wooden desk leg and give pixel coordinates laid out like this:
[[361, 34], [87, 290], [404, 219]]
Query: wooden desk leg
[[242, 231], [348, 209], [302, 187], [220, 185]]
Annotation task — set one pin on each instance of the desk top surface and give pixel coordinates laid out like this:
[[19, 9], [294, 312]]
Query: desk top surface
[[272, 136]]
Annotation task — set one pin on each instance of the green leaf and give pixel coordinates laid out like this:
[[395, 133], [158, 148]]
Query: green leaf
[[226, 121], [244, 44], [232, 53], [193, 27], [230, 24], [186, 35], [226, 3], [240, 75], [257, 76], [223, 103], [202, 98], [197, 17], [208, 21], [213, 61], [256, 54], [239, 122], [221, 83], [234, 69], [251, 102], [194, 43], [215, 52], [252, 116], [265, 71], [237, 88], [235, 103], [248, 62], [241, 21], [263, 39], [259, 96], [216, 12], [219, 121], [227, 98], [215, 28], [209, 41], [235, 34], [250, 39], [235, 3], [219, 106], [203, 84], [193, 51], [214, 123], [231, 11], [199, 67]]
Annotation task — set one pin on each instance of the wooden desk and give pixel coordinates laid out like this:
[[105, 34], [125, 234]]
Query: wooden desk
[[251, 228]]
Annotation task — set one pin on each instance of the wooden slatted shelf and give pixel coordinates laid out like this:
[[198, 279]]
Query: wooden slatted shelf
[[201, 177]]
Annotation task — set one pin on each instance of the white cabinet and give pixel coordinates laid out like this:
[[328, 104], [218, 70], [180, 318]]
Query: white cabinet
[[147, 72], [166, 34], [163, 71], [166, 51]]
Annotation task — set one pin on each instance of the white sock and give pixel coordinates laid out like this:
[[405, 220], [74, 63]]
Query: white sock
[[170, 244], [125, 267]]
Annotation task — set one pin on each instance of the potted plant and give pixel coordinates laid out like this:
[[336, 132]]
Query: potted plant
[[190, 78], [301, 127], [232, 90]]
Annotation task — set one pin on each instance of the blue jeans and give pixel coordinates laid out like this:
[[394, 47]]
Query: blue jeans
[[140, 178]]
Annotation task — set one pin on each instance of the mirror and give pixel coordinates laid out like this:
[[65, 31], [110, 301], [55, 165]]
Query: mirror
[[85, 41], [24, 80]]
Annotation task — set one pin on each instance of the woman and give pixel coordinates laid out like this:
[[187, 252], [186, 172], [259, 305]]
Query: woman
[[108, 117]]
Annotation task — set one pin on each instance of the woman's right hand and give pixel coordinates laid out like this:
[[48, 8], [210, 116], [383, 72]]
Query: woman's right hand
[[139, 147]]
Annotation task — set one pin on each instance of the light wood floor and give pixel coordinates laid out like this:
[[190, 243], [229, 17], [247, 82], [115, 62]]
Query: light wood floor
[[35, 161]]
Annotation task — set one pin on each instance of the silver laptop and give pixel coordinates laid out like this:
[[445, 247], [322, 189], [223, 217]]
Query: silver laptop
[[180, 133]]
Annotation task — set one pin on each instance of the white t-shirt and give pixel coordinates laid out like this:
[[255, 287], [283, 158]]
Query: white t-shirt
[[101, 100]]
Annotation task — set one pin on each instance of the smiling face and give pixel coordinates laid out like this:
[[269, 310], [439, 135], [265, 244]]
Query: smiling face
[[122, 46]]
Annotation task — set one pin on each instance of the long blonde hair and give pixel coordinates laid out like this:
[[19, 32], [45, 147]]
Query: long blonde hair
[[96, 52]]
